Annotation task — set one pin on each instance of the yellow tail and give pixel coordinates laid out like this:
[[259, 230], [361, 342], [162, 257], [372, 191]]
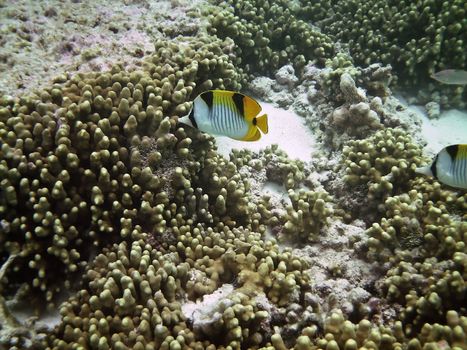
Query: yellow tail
[[262, 122]]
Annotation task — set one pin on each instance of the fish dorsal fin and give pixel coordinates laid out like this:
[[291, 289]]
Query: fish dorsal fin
[[457, 151], [262, 123], [251, 108], [224, 93], [221, 97]]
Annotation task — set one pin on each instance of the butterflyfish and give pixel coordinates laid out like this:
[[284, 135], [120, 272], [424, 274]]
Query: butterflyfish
[[449, 166], [227, 113], [451, 76]]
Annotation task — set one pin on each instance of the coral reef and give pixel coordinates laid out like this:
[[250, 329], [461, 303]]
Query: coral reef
[[307, 214], [267, 34], [144, 296], [156, 241], [416, 39], [340, 102], [422, 235], [383, 162], [77, 165], [342, 334]]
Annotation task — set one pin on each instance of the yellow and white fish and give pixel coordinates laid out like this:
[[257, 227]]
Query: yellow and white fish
[[449, 166], [227, 113]]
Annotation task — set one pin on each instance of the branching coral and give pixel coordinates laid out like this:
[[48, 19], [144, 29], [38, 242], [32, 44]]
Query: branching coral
[[415, 38], [137, 296], [267, 34], [96, 176], [81, 162], [307, 214], [383, 163], [423, 237]]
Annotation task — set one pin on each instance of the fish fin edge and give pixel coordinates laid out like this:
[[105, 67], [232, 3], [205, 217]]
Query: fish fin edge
[[262, 123], [254, 137]]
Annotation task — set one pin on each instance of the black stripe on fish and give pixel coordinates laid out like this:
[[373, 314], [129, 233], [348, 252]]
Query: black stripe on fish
[[191, 116], [238, 100], [452, 150], [254, 121], [208, 98], [433, 167]]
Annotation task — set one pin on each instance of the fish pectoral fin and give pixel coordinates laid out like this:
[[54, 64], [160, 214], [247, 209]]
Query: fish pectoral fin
[[262, 123], [252, 136]]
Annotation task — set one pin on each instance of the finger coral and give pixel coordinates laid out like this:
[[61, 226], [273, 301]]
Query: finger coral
[[78, 169], [144, 296], [266, 34]]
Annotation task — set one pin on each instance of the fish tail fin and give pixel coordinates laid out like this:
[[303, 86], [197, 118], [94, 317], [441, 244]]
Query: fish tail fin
[[262, 122], [425, 170]]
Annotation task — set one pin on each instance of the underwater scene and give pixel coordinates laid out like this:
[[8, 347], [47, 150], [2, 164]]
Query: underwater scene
[[240, 174]]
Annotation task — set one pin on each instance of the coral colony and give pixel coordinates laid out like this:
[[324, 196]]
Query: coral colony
[[131, 231]]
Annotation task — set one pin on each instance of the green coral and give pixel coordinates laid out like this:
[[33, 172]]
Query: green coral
[[307, 214], [97, 163], [80, 163], [343, 334], [267, 33], [98, 160], [416, 38], [144, 287], [419, 233], [423, 237], [383, 163]]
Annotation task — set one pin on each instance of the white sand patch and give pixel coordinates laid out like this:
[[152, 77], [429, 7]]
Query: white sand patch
[[274, 189], [450, 128], [286, 129], [207, 311]]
